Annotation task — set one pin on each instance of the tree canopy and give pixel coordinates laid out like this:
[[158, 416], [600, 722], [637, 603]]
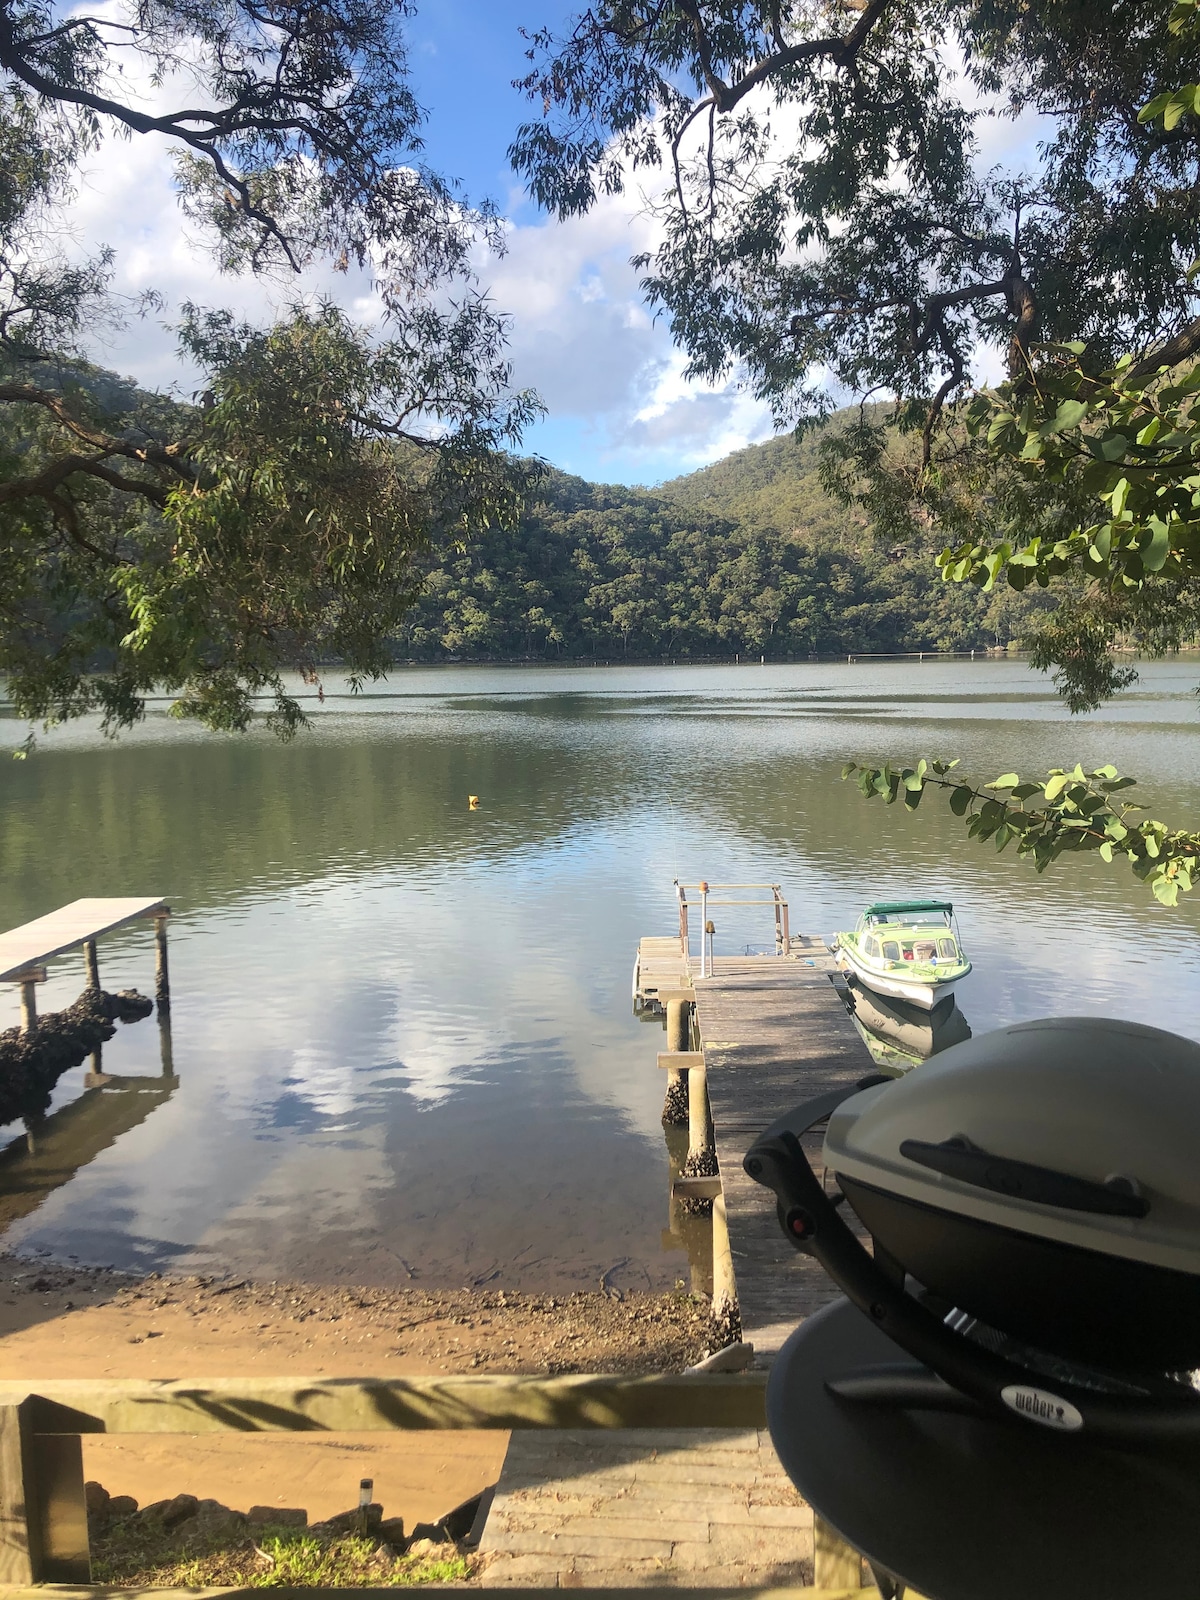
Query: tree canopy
[[821, 176], [205, 546], [748, 556]]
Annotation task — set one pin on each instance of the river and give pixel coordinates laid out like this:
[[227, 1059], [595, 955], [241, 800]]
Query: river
[[402, 1029]]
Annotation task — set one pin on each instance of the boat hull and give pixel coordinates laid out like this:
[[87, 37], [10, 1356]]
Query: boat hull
[[909, 1028], [926, 996]]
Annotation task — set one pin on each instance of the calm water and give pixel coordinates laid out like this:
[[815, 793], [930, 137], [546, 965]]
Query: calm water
[[403, 1032]]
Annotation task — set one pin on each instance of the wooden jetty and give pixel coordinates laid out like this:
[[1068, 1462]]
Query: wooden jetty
[[24, 950], [765, 1033]]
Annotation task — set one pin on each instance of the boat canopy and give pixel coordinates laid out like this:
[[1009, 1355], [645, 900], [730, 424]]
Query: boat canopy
[[897, 908]]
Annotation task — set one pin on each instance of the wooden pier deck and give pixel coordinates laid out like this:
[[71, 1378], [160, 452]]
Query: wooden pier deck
[[773, 1032], [79, 923]]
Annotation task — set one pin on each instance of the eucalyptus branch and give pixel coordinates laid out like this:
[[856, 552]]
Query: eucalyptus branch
[[1067, 810]]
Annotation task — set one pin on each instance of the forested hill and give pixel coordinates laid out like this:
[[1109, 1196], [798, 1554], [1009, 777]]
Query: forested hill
[[748, 556], [768, 487]]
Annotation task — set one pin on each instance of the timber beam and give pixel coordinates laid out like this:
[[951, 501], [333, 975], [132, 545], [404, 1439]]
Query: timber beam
[[351, 1405]]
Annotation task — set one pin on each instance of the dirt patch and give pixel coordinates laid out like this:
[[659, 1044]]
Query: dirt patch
[[59, 1322]]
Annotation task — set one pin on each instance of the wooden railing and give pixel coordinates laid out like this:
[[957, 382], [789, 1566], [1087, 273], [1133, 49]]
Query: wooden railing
[[43, 1514]]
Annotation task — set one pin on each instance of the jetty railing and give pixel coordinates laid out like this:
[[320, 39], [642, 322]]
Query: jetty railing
[[783, 937]]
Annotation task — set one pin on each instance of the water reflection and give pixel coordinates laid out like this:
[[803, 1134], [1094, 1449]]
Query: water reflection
[[403, 1027], [901, 1036]]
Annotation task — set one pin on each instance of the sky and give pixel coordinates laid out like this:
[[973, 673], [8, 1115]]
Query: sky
[[581, 335], [619, 409]]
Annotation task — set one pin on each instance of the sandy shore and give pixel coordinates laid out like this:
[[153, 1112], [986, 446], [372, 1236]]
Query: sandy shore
[[58, 1322]]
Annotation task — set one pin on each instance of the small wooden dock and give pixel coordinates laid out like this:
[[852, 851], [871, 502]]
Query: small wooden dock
[[25, 950], [772, 1031]]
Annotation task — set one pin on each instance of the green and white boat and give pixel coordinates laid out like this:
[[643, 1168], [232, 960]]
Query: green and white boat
[[905, 949]]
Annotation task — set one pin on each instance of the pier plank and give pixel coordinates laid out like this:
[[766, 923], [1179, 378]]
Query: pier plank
[[37, 941], [774, 1033]]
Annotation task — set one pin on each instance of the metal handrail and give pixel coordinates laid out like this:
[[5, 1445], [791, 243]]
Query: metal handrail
[[783, 937]]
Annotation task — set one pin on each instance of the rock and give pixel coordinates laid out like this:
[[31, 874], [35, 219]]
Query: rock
[[282, 1516], [427, 1549], [213, 1520], [733, 1358], [168, 1514], [430, 1533], [460, 1522], [348, 1521], [122, 1505], [391, 1531], [97, 1497]]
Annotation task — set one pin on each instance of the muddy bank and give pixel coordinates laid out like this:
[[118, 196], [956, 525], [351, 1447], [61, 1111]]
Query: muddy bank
[[78, 1322]]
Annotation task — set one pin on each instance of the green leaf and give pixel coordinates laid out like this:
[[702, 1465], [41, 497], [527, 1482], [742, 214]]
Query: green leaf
[[848, 769], [1166, 890], [960, 800], [1009, 780], [1056, 786], [1069, 415], [1156, 107], [1157, 548]]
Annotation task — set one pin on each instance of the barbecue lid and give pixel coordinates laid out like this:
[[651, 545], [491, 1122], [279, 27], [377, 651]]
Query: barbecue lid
[[1078, 1129]]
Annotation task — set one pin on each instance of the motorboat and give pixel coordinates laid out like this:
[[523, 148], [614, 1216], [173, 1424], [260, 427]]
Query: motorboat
[[905, 950]]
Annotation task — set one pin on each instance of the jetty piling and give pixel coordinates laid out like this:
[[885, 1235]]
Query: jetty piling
[[29, 981], [91, 963], [678, 1039], [162, 977]]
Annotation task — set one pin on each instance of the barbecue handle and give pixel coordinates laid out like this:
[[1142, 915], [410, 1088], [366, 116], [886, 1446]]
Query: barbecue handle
[[1022, 1180]]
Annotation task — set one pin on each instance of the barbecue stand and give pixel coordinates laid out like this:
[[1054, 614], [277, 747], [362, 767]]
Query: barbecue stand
[[985, 1467], [966, 1506]]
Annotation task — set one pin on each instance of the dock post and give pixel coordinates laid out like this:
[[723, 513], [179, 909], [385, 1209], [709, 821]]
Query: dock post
[[162, 976], [29, 980], [91, 966], [675, 1105], [166, 1050], [702, 1156], [700, 1128], [28, 1006], [725, 1309]]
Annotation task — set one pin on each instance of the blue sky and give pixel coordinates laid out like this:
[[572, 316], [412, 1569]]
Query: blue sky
[[581, 335], [619, 410]]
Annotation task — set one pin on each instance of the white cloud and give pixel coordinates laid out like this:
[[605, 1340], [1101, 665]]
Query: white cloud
[[582, 334]]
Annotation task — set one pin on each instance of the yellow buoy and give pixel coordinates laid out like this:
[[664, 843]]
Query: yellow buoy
[[472, 802]]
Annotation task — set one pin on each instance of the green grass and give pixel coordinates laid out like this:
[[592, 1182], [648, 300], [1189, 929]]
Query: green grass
[[262, 1558]]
